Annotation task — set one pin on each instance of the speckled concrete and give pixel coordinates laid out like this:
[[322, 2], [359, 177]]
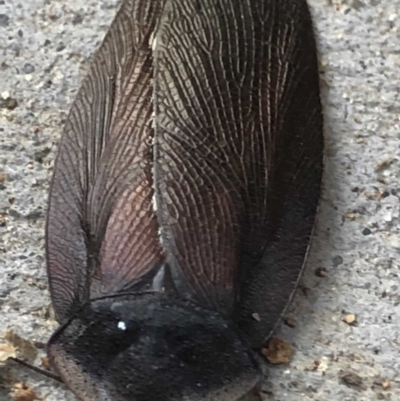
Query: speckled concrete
[[45, 46]]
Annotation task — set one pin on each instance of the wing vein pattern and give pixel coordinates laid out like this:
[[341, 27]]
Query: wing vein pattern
[[195, 142]]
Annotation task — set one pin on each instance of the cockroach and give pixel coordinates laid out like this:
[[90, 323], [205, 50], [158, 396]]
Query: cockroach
[[183, 199]]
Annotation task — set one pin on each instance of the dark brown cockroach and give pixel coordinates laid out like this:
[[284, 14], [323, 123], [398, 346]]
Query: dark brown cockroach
[[183, 199]]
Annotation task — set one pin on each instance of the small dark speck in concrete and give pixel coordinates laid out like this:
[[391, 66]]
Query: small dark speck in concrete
[[36, 214], [357, 4], [337, 261], [387, 319], [78, 19], [40, 155], [4, 20], [366, 231], [28, 68], [60, 47], [352, 379], [8, 103]]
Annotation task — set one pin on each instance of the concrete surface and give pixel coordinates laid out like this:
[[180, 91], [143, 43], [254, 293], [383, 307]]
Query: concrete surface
[[45, 46]]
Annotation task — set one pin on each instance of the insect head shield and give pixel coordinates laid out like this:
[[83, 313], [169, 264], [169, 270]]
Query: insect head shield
[[152, 347]]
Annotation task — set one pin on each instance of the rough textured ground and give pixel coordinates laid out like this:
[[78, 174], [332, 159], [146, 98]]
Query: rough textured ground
[[45, 46]]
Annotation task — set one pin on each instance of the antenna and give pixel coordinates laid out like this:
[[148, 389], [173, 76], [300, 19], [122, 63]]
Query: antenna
[[36, 369]]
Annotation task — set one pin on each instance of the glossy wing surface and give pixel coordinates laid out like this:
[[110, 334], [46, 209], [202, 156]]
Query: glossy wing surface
[[238, 151], [101, 231]]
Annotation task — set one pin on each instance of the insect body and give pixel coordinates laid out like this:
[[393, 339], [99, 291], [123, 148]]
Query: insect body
[[183, 198]]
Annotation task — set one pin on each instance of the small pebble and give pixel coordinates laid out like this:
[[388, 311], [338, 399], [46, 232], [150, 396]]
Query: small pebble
[[350, 319], [321, 272], [290, 322]]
